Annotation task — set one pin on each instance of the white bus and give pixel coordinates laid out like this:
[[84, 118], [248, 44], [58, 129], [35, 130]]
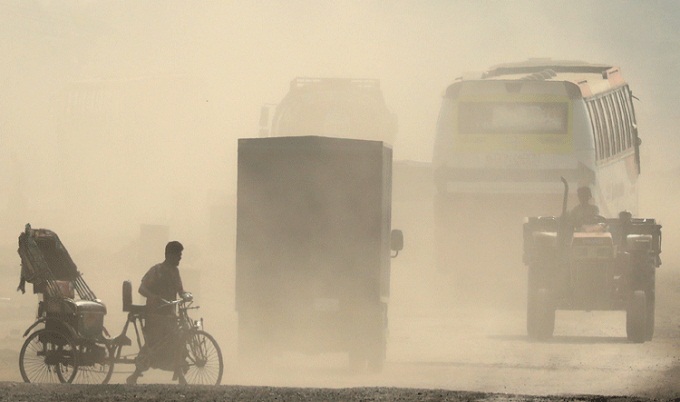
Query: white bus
[[505, 137]]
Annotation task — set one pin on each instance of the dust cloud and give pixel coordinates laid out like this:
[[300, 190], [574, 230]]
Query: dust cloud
[[119, 124]]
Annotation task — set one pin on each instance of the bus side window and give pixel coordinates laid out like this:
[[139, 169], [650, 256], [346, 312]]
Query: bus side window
[[629, 117], [628, 120], [613, 123], [613, 126], [621, 120], [604, 132], [596, 130]]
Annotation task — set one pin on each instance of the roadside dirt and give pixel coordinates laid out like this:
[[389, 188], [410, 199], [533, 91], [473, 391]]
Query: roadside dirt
[[105, 393]]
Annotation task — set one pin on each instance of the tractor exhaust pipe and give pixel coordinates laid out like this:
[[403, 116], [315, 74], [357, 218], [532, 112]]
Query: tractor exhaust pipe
[[566, 195]]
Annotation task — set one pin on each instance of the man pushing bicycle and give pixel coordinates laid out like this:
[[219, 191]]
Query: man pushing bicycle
[[159, 285]]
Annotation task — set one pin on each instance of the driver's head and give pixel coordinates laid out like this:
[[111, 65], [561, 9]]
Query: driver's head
[[625, 216], [584, 194], [173, 252]]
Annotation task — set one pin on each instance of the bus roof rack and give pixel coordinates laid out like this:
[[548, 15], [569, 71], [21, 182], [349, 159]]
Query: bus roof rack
[[359, 83], [540, 75], [537, 66]]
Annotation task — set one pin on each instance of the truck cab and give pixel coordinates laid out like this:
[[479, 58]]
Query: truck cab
[[331, 107]]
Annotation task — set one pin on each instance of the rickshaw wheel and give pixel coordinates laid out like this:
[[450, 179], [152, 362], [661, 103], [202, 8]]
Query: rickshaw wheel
[[95, 364], [48, 356]]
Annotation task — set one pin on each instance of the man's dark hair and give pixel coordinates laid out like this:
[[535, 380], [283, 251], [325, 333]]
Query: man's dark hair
[[173, 247], [625, 216], [584, 192]]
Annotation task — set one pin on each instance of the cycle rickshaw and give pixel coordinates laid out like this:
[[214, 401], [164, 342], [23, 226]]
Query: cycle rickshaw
[[68, 342]]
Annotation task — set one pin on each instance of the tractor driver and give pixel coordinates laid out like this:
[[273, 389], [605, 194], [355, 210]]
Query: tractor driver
[[584, 212], [160, 284]]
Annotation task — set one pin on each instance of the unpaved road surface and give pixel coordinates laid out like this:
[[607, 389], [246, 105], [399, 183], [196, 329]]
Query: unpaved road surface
[[445, 343], [441, 349], [105, 393]]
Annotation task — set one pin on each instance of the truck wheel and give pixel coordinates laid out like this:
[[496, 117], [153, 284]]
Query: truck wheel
[[636, 317], [376, 364], [650, 297], [377, 355], [368, 356], [540, 315]]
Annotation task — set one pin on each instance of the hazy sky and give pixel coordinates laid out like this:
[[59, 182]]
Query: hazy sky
[[173, 84]]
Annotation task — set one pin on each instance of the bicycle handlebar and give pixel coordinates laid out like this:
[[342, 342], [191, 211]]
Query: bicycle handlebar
[[185, 297]]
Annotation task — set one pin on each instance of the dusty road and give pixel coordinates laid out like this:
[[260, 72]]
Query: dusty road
[[437, 345], [106, 393]]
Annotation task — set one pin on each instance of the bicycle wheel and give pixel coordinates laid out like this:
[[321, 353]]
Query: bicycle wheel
[[48, 356], [203, 360], [95, 364]]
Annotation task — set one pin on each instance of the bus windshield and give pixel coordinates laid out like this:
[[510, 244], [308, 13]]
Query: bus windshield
[[513, 118]]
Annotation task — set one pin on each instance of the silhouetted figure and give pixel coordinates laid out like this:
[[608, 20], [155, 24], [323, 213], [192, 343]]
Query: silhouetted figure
[[584, 212], [160, 284], [625, 219]]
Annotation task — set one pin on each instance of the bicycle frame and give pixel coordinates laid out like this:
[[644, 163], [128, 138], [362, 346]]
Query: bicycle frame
[[117, 343], [136, 318]]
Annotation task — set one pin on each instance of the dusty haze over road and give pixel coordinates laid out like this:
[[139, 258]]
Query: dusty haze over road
[[116, 114]]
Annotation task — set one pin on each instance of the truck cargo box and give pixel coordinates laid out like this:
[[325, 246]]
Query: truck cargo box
[[313, 245]]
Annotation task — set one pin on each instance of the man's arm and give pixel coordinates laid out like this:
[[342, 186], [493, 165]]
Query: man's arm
[[145, 291], [180, 289], [180, 286]]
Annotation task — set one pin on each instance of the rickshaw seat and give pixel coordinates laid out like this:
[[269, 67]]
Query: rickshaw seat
[[128, 307]]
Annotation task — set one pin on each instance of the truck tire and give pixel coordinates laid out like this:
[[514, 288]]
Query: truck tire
[[370, 349], [377, 355], [650, 296], [369, 357], [636, 317], [540, 315]]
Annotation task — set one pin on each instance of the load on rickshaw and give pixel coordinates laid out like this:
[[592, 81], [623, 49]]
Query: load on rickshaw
[[68, 342]]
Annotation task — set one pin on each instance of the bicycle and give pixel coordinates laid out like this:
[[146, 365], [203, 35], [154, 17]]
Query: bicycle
[[199, 358]]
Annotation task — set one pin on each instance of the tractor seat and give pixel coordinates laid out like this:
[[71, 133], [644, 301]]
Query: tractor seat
[[128, 307]]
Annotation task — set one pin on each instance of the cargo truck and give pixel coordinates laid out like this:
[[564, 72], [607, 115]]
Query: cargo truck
[[313, 247]]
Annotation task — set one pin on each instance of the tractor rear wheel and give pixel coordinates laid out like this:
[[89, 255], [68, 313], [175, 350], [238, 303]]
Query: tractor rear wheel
[[636, 317]]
